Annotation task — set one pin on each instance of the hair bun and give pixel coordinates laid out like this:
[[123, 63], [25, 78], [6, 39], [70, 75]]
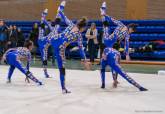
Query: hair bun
[[84, 19], [82, 22]]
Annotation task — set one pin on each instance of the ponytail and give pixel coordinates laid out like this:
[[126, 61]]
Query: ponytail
[[82, 23]]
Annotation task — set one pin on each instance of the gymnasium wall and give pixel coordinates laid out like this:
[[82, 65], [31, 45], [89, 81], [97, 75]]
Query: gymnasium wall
[[156, 9], [21, 9], [121, 9], [91, 8], [136, 9]]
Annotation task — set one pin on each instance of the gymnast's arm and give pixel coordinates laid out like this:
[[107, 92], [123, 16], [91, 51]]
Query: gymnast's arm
[[81, 47], [28, 60], [127, 44]]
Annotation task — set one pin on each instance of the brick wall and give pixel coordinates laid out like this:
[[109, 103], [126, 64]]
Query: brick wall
[[156, 9], [31, 9], [21, 9], [91, 8]]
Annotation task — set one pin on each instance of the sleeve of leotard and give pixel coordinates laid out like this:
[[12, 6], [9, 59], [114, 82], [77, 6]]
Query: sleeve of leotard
[[127, 44], [81, 48], [28, 60]]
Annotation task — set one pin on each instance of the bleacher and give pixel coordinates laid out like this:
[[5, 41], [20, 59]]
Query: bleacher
[[147, 31]]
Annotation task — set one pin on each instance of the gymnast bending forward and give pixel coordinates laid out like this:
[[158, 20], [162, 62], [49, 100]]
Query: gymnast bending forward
[[110, 56], [14, 58]]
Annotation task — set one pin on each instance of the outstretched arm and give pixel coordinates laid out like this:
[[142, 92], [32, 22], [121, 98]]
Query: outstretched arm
[[28, 60], [81, 48], [127, 44], [86, 64]]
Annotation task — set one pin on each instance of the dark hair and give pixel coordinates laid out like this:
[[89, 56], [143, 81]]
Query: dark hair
[[28, 43], [57, 21], [106, 23], [82, 23], [132, 26], [42, 25], [49, 20]]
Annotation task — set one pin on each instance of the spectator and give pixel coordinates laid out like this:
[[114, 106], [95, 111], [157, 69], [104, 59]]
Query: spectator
[[12, 37], [9, 34], [10, 30], [34, 34], [21, 38], [3, 37], [34, 37], [91, 35], [100, 43]]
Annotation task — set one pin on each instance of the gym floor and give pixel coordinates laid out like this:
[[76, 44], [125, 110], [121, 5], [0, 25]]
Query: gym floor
[[135, 68], [87, 97]]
